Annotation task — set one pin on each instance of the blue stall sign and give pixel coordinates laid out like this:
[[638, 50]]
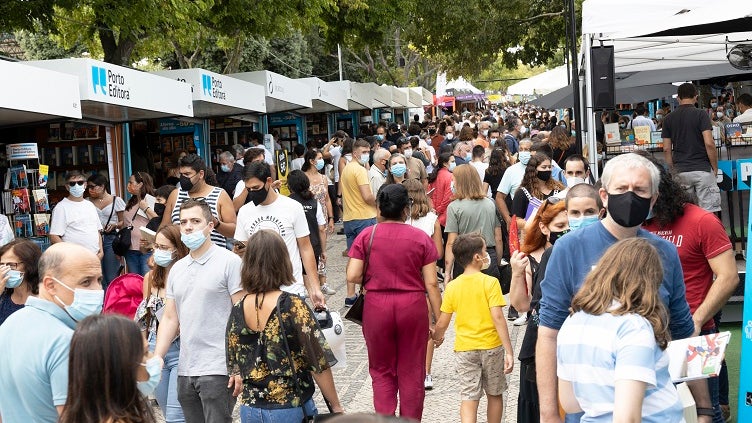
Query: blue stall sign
[[743, 174], [725, 177], [744, 408]]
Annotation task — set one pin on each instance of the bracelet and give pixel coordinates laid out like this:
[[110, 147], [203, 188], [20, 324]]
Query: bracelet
[[705, 411]]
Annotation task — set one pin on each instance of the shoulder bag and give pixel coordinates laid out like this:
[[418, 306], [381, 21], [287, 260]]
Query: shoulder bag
[[306, 417], [355, 314], [122, 241]]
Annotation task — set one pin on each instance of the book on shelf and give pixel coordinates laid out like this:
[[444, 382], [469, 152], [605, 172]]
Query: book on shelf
[[42, 241], [83, 155], [42, 224], [22, 226], [41, 202], [66, 156], [21, 203], [16, 177], [44, 172], [98, 154], [54, 132], [7, 202], [698, 357]]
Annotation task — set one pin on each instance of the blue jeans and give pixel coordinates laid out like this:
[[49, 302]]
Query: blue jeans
[[167, 390], [354, 227], [250, 414], [110, 261], [136, 262], [713, 388]]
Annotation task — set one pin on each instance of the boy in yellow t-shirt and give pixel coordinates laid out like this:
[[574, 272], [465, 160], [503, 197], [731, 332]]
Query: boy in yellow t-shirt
[[481, 330]]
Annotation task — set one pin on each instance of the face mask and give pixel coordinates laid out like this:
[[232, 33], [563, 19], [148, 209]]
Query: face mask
[[658, 117], [628, 209], [319, 164], [154, 369], [719, 114], [493, 141], [193, 240], [523, 129], [553, 236], [86, 302], [544, 175], [714, 105], [581, 222], [449, 136], [451, 187], [408, 153], [224, 168], [398, 170], [159, 209], [432, 131], [524, 157], [573, 132], [380, 137], [185, 183], [574, 180], [258, 196], [469, 157], [486, 262], [452, 165], [77, 190], [14, 279], [364, 158], [484, 132], [162, 258], [622, 125]]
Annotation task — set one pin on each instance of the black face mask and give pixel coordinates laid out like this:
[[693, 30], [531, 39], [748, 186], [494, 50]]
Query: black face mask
[[431, 131], [185, 183], [544, 175], [159, 209], [628, 209], [258, 196], [553, 236]]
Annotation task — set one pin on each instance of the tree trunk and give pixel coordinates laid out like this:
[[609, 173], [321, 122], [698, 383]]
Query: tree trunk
[[118, 52]]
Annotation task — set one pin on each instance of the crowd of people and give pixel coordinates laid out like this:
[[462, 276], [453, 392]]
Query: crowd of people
[[497, 208]]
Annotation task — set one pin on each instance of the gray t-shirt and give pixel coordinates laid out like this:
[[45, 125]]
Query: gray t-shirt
[[202, 290], [466, 216]]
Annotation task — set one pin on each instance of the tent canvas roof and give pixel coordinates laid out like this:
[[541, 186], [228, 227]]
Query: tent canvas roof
[[543, 83]]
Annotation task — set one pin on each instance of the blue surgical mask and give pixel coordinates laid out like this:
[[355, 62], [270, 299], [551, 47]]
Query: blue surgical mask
[[469, 157], [650, 214], [154, 369], [225, 168], [364, 158], [86, 302], [398, 170], [15, 278], [452, 165], [77, 190], [193, 240], [162, 258], [581, 222], [493, 141], [523, 157], [380, 137], [319, 164]]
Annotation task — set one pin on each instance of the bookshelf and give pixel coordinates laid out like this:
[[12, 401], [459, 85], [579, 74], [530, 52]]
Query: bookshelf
[[26, 202]]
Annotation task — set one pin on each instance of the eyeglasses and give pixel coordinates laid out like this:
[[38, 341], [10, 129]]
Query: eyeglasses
[[550, 200], [12, 265], [74, 183]]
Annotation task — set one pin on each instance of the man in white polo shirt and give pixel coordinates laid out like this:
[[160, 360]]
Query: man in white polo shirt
[[201, 289], [269, 210]]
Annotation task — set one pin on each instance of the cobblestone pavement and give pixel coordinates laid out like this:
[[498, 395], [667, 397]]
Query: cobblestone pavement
[[353, 382]]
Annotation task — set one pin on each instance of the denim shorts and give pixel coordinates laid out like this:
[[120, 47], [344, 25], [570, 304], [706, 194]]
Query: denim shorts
[[250, 414]]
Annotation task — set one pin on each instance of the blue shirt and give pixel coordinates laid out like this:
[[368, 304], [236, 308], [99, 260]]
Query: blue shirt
[[512, 144], [35, 342], [575, 254]]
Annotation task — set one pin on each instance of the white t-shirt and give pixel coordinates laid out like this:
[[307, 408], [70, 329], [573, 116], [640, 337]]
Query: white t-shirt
[[296, 164], [336, 153], [284, 216], [481, 168], [77, 222], [425, 223], [239, 187]]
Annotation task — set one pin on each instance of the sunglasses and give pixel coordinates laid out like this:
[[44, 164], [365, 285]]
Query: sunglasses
[[74, 183], [550, 200]]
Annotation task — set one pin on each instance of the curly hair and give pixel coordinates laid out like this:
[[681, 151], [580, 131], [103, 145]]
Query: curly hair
[[559, 138], [534, 238], [671, 196], [530, 180]]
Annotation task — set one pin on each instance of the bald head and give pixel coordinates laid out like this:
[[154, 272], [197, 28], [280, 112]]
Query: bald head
[[71, 264]]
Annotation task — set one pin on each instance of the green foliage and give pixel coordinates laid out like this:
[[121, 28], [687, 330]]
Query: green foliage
[[499, 77], [41, 45]]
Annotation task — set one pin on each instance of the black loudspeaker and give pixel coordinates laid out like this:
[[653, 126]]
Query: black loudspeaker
[[603, 83]]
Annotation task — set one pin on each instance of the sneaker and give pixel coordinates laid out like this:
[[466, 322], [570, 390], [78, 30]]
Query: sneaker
[[349, 301], [326, 290], [520, 320], [428, 383], [513, 314], [341, 232]]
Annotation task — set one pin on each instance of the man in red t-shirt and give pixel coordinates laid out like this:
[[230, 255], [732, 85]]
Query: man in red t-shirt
[[704, 250]]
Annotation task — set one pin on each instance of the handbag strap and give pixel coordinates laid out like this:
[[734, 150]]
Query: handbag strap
[[112, 208], [368, 255], [283, 335]]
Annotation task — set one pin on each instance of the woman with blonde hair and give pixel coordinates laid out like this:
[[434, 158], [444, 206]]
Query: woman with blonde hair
[[471, 211], [611, 361], [397, 169]]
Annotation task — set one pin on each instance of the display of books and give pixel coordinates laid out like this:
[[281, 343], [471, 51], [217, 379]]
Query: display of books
[[42, 241], [41, 203], [20, 198], [612, 136], [66, 156], [99, 154], [698, 357], [44, 172], [627, 136], [42, 224], [22, 226], [642, 135], [82, 155], [16, 177]]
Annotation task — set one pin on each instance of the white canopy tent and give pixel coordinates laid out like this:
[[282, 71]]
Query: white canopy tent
[[656, 43], [562, 98], [543, 83]]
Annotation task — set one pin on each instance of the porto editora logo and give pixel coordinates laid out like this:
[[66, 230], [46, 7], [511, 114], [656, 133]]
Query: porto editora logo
[[108, 83]]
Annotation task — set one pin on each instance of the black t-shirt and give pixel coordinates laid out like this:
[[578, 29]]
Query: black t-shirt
[[309, 208], [493, 181], [527, 349], [684, 126]]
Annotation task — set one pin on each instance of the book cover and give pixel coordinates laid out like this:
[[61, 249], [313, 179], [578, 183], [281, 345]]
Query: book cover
[[642, 135], [698, 357], [612, 133], [21, 203], [66, 156], [99, 154], [656, 139], [83, 155], [627, 136], [42, 241], [22, 226], [50, 155], [54, 132], [44, 172], [41, 224], [733, 130], [41, 203], [7, 202], [18, 177]]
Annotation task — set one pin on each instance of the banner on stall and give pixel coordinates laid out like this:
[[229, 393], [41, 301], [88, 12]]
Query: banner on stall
[[22, 151], [734, 175]]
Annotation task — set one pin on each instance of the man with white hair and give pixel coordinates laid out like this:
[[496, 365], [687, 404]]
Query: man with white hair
[[230, 172], [630, 189], [377, 172]]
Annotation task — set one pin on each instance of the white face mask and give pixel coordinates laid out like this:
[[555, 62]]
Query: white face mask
[[574, 180], [408, 153], [449, 135]]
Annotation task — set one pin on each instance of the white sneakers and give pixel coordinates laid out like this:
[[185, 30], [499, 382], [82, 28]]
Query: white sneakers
[[428, 383], [520, 320], [326, 290]]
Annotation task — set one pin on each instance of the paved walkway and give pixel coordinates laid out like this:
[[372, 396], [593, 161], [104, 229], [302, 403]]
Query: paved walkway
[[353, 382]]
